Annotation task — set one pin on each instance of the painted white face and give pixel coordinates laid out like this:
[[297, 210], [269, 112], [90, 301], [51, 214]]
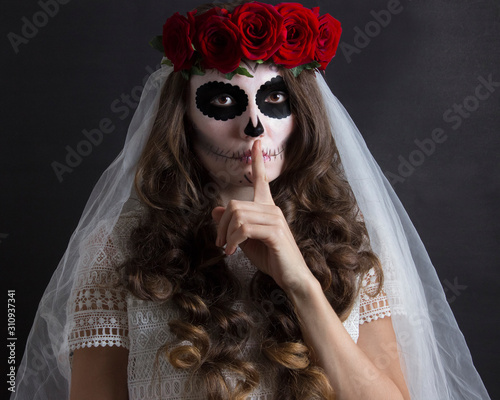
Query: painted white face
[[228, 116]]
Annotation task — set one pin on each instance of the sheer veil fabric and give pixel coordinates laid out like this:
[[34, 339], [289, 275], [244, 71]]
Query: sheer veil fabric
[[433, 353]]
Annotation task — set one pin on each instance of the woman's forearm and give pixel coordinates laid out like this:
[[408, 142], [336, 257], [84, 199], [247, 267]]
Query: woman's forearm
[[350, 371]]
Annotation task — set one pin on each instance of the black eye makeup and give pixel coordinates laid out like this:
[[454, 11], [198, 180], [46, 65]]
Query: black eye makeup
[[272, 99], [221, 101]]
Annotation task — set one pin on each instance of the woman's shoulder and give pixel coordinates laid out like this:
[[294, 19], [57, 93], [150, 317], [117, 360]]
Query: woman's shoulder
[[132, 213], [128, 220], [115, 228], [107, 245]]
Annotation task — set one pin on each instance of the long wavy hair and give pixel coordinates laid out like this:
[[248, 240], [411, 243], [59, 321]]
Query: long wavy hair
[[174, 257]]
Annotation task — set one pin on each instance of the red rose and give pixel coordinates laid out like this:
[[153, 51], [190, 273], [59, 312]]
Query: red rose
[[177, 42], [198, 20], [261, 28], [328, 39], [217, 39], [302, 28]]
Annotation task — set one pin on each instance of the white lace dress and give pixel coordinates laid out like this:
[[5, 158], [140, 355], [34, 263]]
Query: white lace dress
[[101, 313]]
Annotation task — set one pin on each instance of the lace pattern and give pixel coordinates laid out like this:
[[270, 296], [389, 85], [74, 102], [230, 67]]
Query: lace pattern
[[97, 306], [372, 306], [102, 313]]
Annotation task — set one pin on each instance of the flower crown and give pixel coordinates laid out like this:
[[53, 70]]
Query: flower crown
[[289, 35]]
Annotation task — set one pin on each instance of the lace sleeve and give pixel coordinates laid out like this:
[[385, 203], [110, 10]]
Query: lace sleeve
[[97, 308], [372, 307]]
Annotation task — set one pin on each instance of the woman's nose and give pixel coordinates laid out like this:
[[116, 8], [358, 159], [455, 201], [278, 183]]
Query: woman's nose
[[254, 130], [253, 127]]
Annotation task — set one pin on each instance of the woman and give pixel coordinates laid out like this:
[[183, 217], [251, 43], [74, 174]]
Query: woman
[[250, 163]]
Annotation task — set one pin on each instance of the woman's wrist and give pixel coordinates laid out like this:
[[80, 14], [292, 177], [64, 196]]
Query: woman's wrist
[[303, 288]]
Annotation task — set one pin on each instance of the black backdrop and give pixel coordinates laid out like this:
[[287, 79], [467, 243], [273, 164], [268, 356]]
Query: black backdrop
[[421, 80]]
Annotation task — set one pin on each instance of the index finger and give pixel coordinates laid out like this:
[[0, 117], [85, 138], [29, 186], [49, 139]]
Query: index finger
[[262, 191]]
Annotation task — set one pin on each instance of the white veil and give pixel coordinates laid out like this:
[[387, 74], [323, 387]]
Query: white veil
[[433, 352]]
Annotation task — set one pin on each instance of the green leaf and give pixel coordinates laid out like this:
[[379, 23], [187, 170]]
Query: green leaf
[[313, 65], [259, 62], [239, 71], [157, 44], [166, 61], [197, 71], [185, 74], [243, 71], [230, 75], [297, 70]]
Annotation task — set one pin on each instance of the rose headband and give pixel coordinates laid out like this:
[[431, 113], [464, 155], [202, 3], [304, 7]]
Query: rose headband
[[288, 34]]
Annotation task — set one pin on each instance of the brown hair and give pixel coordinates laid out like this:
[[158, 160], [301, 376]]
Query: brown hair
[[174, 256]]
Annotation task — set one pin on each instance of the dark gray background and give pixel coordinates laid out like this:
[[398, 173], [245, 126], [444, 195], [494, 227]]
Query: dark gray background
[[430, 56]]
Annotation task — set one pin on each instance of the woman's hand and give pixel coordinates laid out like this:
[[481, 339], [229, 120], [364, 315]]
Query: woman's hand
[[260, 229]]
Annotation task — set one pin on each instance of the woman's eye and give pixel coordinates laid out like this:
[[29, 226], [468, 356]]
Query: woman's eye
[[222, 101], [277, 97]]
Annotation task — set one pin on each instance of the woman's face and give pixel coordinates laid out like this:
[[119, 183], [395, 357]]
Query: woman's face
[[228, 116]]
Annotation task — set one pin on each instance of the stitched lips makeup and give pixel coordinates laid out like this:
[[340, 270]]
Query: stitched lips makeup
[[245, 156]]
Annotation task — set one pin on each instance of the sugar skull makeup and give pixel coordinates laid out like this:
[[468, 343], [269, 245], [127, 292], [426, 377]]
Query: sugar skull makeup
[[272, 98], [221, 101], [229, 115]]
